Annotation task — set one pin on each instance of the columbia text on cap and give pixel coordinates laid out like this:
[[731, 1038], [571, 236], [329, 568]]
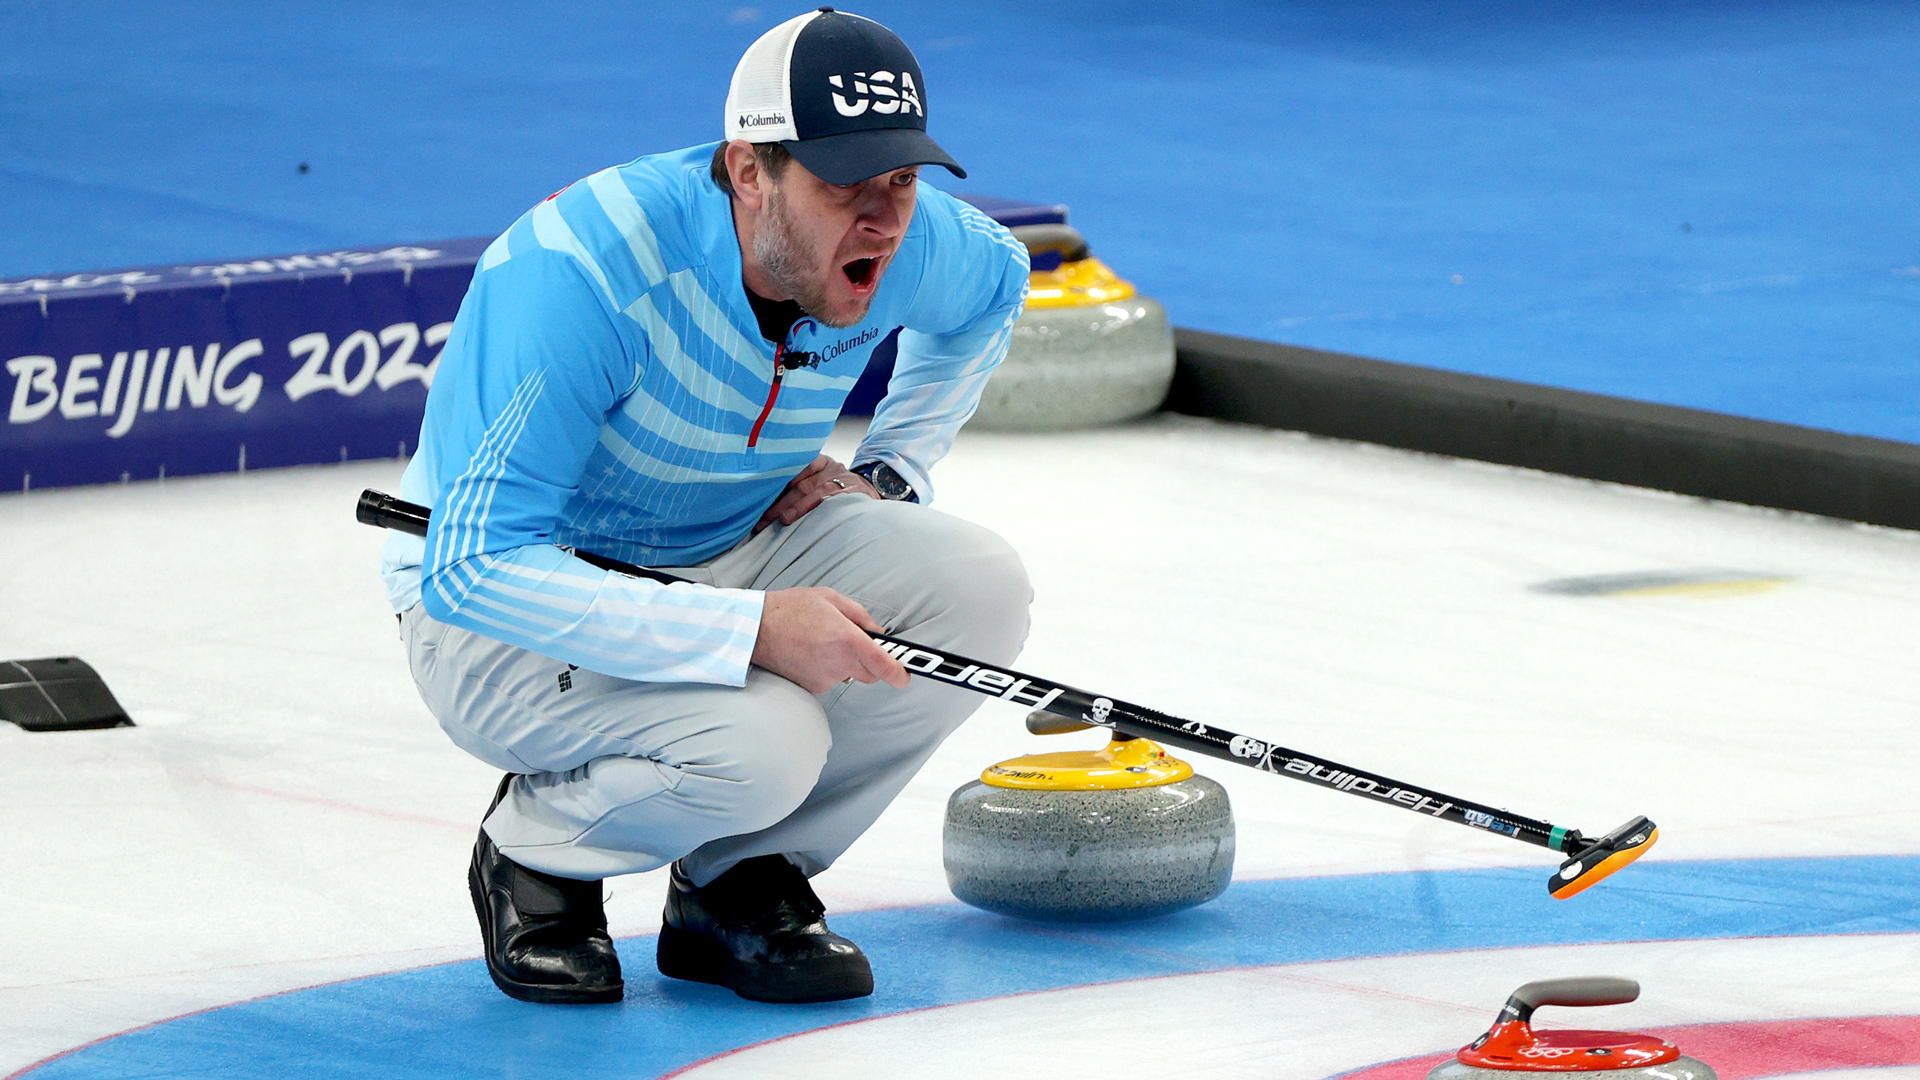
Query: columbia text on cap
[[840, 92]]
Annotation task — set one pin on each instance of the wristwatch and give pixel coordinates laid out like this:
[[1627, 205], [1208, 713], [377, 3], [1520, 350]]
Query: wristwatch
[[885, 481]]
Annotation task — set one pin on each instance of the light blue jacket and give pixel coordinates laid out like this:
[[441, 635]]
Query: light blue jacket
[[600, 390]]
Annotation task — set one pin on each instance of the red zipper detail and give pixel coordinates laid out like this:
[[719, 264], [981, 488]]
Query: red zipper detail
[[773, 395]]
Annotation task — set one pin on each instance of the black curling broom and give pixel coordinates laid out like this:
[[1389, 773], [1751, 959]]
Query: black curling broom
[[1589, 859]]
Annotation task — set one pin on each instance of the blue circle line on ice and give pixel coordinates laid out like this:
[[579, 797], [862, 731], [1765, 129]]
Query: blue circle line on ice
[[448, 1021]]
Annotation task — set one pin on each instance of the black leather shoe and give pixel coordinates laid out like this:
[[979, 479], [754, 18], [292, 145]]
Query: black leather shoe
[[546, 937], [760, 931]]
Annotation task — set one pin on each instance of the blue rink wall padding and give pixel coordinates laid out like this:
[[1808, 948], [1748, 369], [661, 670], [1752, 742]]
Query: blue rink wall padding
[[448, 1021], [166, 371], [254, 363]]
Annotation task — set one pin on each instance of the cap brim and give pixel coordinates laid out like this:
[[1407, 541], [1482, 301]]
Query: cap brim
[[854, 156]]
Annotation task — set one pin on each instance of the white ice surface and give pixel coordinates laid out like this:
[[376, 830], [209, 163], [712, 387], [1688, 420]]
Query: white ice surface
[[1307, 1021], [1887, 1072], [287, 813]]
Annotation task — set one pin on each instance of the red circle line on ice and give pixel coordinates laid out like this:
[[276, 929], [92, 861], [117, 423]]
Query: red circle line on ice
[[1748, 1050]]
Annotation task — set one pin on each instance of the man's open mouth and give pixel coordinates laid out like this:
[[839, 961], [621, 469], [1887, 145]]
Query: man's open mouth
[[860, 271]]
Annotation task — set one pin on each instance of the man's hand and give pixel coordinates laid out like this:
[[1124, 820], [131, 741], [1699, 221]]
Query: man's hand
[[815, 637], [818, 482]]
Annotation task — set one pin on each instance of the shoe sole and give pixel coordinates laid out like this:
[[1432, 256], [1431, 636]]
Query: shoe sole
[[697, 958], [538, 993]]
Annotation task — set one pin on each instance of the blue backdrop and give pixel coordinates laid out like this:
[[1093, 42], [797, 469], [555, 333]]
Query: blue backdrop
[[1703, 203]]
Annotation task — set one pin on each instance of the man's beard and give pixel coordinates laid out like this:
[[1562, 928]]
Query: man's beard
[[785, 260]]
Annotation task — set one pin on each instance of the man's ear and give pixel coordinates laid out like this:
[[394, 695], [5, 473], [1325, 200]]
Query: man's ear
[[750, 181]]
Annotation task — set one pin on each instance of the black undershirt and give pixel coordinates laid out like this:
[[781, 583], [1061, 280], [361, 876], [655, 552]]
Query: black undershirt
[[776, 316]]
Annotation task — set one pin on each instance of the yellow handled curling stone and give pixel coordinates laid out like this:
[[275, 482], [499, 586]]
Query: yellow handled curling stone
[[1123, 832], [1088, 350]]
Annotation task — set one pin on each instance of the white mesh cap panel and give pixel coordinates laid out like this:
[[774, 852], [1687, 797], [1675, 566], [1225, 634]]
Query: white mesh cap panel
[[759, 102]]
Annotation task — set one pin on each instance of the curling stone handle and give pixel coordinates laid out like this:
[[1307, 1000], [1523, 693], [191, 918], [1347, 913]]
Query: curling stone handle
[[1062, 238], [1040, 722], [1591, 990]]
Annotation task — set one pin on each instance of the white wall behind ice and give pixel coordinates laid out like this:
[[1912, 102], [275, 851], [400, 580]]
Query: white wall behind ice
[[287, 813]]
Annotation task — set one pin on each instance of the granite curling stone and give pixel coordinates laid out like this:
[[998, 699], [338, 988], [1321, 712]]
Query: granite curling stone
[[1126, 832], [1088, 350], [1511, 1048]]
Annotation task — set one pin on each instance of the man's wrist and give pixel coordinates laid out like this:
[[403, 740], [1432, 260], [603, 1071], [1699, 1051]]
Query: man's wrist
[[891, 486]]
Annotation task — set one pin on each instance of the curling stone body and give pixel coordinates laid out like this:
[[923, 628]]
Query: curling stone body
[[1088, 350], [1080, 367], [1681, 1068], [1101, 836]]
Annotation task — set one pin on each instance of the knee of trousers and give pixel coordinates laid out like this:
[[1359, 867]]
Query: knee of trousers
[[973, 594], [736, 786], [754, 771]]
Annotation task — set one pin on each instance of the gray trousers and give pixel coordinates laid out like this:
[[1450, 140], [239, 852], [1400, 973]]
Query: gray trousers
[[618, 777]]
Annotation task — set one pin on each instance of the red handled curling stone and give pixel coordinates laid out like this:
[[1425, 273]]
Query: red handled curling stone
[[1512, 1045]]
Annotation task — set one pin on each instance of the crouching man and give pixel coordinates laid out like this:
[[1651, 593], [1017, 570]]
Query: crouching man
[[646, 367]]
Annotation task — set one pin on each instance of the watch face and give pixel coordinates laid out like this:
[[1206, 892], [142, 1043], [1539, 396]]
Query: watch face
[[887, 482]]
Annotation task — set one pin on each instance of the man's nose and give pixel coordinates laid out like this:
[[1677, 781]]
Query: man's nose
[[879, 211]]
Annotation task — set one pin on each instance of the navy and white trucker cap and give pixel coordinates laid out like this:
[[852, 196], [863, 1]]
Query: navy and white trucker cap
[[842, 93]]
